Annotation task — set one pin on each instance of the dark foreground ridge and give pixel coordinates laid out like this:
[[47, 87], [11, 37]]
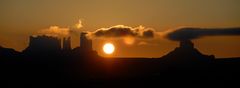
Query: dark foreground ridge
[[44, 63]]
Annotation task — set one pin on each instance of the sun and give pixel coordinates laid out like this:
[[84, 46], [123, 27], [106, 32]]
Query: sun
[[108, 48]]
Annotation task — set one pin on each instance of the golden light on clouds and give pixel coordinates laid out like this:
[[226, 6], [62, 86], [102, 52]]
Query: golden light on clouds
[[54, 31], [58, 31], [79, 24]]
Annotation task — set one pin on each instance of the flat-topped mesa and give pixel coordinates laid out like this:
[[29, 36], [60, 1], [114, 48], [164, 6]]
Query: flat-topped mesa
[[43, 44], [49, 45]]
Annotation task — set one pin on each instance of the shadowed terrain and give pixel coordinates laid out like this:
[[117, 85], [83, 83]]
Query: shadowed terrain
[[45, 64]]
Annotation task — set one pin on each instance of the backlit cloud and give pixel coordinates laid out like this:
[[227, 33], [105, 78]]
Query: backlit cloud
[[124, 31], [79, 24], [61, 31], [55, 31]]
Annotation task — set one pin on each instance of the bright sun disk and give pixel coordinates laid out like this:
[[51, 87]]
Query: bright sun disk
[[108, 48]]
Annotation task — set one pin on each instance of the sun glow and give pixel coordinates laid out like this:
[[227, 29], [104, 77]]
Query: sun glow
[[108, 48]]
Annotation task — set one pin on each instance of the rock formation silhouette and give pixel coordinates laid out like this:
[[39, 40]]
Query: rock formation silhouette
[[8, 53], [43, 45], [85, 47], [67, 44], [45, 63], [187, 53]]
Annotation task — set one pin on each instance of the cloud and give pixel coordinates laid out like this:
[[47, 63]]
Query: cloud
[[76, 28], [124, 31], [195, 33], [55, 31], [79, 24]]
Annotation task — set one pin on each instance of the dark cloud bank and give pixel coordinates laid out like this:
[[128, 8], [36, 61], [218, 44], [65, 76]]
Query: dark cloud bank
[[187, 33], [195, 33]]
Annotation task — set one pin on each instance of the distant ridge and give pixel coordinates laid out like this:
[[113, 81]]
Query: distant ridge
[[8, 52]]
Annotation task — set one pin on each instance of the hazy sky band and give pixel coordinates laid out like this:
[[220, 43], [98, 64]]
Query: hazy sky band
[[21, 18]]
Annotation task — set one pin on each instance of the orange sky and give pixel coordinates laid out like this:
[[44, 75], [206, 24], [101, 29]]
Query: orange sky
[[21, 18]]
